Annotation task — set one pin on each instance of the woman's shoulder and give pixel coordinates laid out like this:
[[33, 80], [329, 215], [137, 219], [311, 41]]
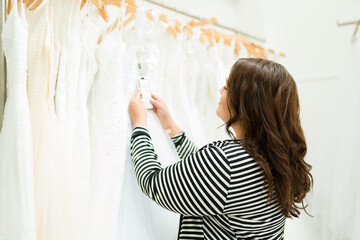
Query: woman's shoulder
[[231, 152], [234, 153], [227, 146]]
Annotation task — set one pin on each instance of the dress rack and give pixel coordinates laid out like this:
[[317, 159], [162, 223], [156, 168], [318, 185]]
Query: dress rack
[[2, 56], [236, 31]]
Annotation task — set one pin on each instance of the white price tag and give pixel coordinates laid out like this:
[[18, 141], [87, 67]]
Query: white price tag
[[145, 93]]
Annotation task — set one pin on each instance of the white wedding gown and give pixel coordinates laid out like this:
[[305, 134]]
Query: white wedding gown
[[17, 213], [108, 126], [140, 217]]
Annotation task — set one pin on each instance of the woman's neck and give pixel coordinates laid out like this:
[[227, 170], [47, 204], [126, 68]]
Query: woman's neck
[[238, 131]]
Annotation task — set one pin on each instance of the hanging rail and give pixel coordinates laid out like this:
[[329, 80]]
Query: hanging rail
[[236, 31], [345, 23]]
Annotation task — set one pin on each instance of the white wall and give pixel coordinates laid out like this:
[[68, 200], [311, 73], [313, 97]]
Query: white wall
[[317, 50]]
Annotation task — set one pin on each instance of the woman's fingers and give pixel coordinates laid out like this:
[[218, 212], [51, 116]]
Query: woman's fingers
[[154, 96], [155, 103], [137, 95]]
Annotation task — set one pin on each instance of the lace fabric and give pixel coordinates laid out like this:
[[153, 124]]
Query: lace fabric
[[140, 217], [108, 126]]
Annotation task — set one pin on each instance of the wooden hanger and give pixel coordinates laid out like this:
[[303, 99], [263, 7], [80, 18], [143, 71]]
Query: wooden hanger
[[130, 9], [242, 40], [101, 8], [118, 2], [35, 5], [28, 3], [188, 30], [32, 4], [83, 2], [103, 13], [202, 38], [227, 39], [174, 30], [209, 34], [163, 17], [193, 23], [149, 15], [177, 26], [130, 4], [217, 35], [237, 49], [356, 29], [10, 5]]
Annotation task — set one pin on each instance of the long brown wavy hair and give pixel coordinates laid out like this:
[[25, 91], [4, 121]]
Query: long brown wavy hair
[[263, 100]]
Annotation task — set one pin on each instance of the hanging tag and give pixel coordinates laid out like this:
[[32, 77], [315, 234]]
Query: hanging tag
[[144, 86], [145, 92]]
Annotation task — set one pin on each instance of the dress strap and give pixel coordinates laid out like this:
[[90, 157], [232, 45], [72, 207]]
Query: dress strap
[[123, 8], [22, 9]]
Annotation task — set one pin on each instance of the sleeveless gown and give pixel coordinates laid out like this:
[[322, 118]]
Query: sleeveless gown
[[140, 217], [17, 213]]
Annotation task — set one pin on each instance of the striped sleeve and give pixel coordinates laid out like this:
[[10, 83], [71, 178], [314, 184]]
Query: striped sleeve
[[184, 146], [196, 186]]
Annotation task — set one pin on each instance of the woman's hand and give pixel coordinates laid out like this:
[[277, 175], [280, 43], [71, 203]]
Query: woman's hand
[[162, 112], [137, 110]]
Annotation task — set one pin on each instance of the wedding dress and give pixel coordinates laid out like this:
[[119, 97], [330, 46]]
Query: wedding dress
[[108, 124], [75, 74], [17, 213], [49, 168], [38, 54], [194, 59], [140, 217]]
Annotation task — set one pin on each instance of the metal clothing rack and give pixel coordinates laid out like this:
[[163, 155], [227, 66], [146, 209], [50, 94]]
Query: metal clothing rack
[[345, 23], [2, 65], [236, 31]]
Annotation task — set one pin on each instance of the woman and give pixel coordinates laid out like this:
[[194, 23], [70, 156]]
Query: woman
[[243, 188]]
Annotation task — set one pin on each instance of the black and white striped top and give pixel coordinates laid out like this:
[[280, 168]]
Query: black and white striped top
[[218, 190]]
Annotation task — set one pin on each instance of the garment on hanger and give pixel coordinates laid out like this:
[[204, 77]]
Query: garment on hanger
[[140, 217], [108, 124], [185, 113], [49, 167], [195, 57], [17, 213], [38, 54], [72, 89]]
